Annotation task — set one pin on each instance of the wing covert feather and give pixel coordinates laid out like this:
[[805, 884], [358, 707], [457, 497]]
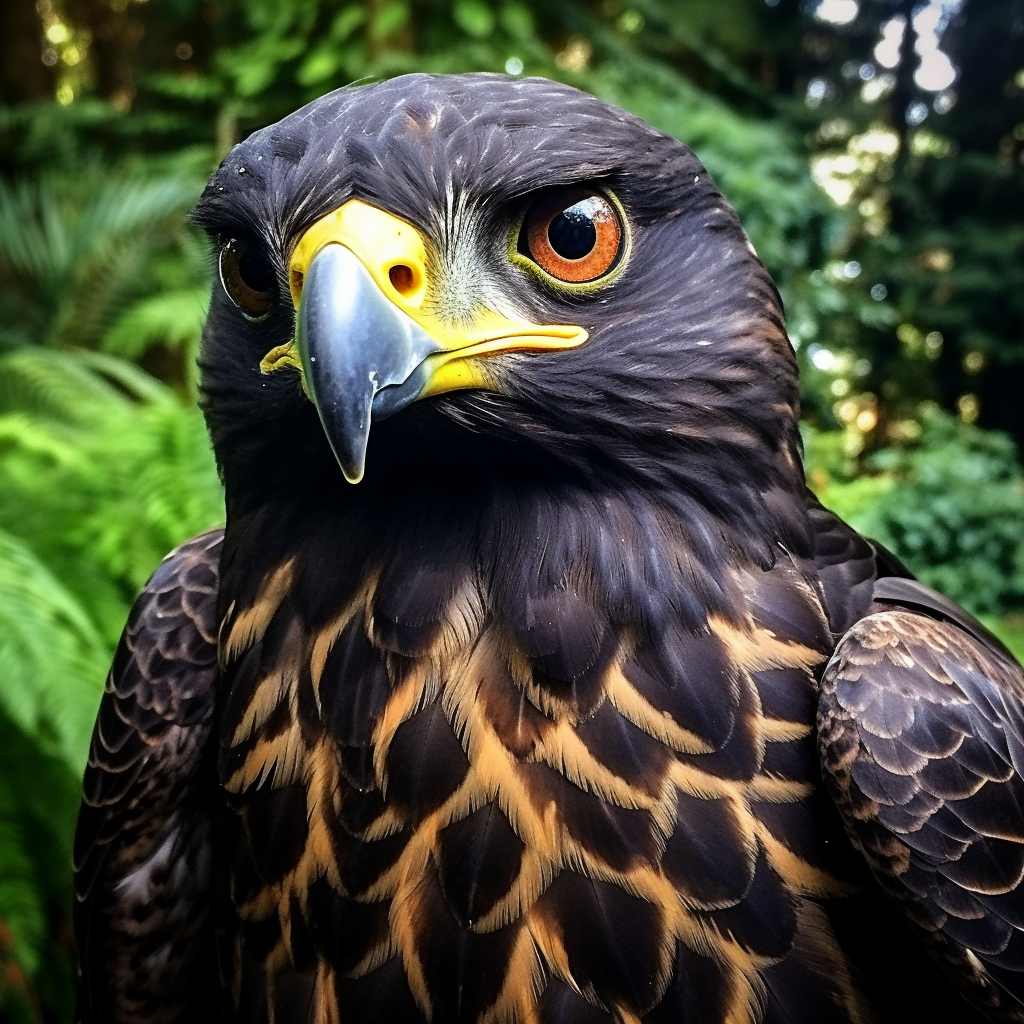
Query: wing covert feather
[[921, 735], [143, 857]]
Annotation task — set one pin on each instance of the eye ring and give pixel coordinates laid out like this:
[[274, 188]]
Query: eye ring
[[247, 278], [574, 234]]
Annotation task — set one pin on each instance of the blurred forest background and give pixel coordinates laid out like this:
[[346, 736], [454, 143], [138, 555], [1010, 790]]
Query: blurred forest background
[[873, 148]]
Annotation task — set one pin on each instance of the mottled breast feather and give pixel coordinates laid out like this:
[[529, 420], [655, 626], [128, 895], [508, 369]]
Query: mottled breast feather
[[443, 812]]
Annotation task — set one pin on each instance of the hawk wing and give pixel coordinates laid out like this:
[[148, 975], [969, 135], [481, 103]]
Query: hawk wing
[[143, 858], [921, 736]]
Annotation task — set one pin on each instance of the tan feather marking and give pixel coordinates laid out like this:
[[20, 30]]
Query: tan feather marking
[[469, 796], [680, 923], [548, 938], [798, 875], [483, 682], [747, 995], [464, 617], [778, 730], [536, 873], [563, 750], [415, 691], [326, 638], [493, 766], [749, 964], [284, 915], [405, 911], [774, 790], [695, 782], [386, 824], [322, 645], [659, 724], [467, 699], [549, 944], [493, 776], [325, 1008], [543, 698], [323, 798], [384, 887], [262, 906], [757, 649], [536, 869], [318, 858], [275, 961], [222, 630], [276, 964], [250, 625], [376, 956], [280, 759], [524, 981], [768, 788], [269, 693]]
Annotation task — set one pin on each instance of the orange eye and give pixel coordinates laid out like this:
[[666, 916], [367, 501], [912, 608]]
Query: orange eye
[[574, 234], [248, 279]]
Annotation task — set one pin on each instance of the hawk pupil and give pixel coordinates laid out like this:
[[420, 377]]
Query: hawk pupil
[[572, 233], [255, 272]]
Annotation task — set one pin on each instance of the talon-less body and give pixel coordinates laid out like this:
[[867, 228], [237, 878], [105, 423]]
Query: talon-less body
[[515, 707]]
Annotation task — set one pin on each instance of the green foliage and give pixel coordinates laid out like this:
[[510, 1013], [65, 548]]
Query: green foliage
[[74, 255], [951, 505], [105, 469], [48, 638]]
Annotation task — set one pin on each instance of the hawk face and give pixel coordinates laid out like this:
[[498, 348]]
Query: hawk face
[[570, 298]]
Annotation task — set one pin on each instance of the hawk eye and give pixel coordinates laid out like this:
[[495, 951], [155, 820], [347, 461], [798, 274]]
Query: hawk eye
[[574, 234], [248, 278]]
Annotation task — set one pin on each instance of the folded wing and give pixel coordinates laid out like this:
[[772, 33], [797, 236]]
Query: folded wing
[[921, 736], [143, 849]]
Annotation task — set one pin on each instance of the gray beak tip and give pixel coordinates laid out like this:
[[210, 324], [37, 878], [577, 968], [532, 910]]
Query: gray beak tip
[[353, 474], [359, 352]]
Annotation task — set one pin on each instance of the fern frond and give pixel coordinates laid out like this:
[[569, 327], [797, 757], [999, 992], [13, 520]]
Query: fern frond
[[76, 251], [52, 658], [172, 317]]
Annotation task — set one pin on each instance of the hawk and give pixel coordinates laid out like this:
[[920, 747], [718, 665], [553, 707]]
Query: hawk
[[527, 682]]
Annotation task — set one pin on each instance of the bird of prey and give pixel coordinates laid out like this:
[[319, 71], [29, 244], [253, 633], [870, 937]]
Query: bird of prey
[[527, 682]]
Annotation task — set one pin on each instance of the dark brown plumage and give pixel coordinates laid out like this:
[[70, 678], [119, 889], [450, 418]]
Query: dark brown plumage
[[525, 724]]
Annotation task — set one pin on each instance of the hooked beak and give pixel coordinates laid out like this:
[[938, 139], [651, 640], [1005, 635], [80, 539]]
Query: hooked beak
[[367, 342]]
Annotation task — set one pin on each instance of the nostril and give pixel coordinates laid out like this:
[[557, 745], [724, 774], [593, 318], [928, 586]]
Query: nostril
[[402, 278]]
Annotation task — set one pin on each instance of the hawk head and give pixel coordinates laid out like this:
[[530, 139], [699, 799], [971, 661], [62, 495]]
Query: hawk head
[[437, 281]]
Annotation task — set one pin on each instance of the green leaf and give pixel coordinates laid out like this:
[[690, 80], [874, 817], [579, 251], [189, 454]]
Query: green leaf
[[517, 20], [474, 18], [346, 22], [320, 65], [389, 19]]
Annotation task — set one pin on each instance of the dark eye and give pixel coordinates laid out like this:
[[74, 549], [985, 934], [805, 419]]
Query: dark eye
[[248, 278], [574, 234]]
